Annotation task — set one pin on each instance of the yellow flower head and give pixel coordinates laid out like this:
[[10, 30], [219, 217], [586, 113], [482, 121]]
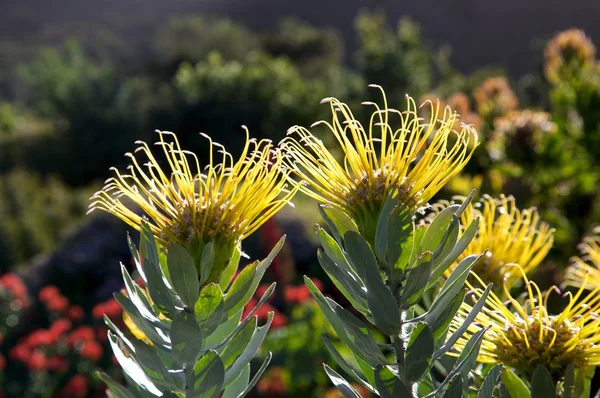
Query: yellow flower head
[[568, 52], [224, 203], [587, 266], [510, 236], [524, 335], [397, 151]]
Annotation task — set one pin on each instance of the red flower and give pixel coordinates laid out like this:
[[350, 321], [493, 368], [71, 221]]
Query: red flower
[[75, 313], [297, 294], [113, 309], [48, 293], [98, 311], [2, 362], [279, 320], [40, 337], [81, 334], [37, 361], [58, 363], [77, 386], [92, 351], [101, 335], [15, 284], [60, 327], [58, 304], [20, 353]]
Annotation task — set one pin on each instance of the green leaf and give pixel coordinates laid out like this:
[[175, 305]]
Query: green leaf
[[583, 381], [542, 385], [117, 390], [455, 388], [231, 267], [456, 281], [258, 374], [490, 382], [349, 329], [131, 367], [223, 332], [159, 292], [249, 352], [343, 364], [148, 248], [439, 317], [144, 325], [207, 260], [389, 385], [238, 343], [465, 362], [337, 221], [341, 384], [153, 366], [237, 387], [247, 281], [143, 306], [466, 238], [334, 252], [569, 383], [383, 305], [438, 229], [368, 372], [419, 352], [394, 226], [186, 338], [184, 276], [425, 386], [206, 379], [351, 287], [465, 325], [514, 385], [209, 308], [417, 280]]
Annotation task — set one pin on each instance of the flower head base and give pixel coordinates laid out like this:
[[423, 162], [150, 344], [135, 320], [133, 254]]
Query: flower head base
[[587, 266], [568, 53], [225, 203], [524, 335], [494, 97], [510, 236], [397, 152]]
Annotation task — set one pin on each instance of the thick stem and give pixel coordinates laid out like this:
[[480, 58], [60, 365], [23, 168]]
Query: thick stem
[[399, 350]]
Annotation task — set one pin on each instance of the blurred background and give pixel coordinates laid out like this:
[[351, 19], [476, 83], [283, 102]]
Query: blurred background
[[80, 81]]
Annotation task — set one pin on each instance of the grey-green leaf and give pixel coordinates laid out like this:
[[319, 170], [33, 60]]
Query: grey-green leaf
[[419, 352], [542, 385], [514, 385], [455, 388], [117, 390], [184, 275], [186, 338], [206, 379], [389, 385], [238, 343], [490, 382], [207, 260], [383, 305], [342, 385]]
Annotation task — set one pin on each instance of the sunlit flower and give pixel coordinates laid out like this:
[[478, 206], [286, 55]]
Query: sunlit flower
[[568, 52], [523, 335], [494, 97], [225, 202], [397, 151], [586, 266], [510, 236]]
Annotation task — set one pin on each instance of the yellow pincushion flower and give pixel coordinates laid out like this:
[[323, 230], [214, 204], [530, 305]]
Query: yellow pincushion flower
[[397, 151], [568, 53], [224, 203], [510, 236], [524, 335], [587, 266]]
